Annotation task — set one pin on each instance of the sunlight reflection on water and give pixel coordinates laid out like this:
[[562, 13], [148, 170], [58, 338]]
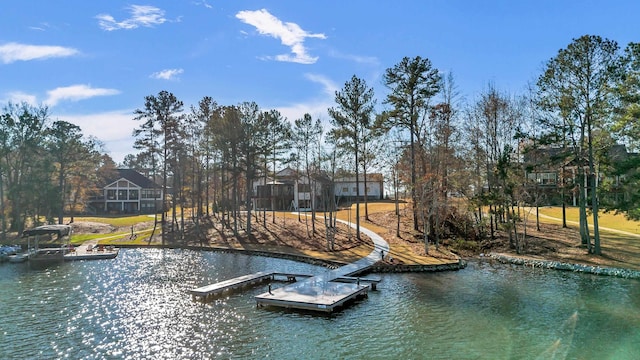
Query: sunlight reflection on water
[[138, 307]]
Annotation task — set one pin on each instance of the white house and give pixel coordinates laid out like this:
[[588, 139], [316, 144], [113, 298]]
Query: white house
[[345, 187]]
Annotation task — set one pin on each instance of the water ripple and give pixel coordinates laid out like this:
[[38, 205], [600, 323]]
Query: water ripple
[[138, 307]]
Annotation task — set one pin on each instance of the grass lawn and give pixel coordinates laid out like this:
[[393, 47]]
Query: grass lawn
[[117, 221], [623, 247], [605, 220], [619, 237]]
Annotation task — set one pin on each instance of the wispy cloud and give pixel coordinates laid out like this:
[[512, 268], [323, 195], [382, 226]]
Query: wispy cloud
[[76, 93], [317, 106], [141, 15], [367, 60], [329, 86], [18, 97], [11, 52], [203, 3], [42, 27], [167, 74], [290, 34]]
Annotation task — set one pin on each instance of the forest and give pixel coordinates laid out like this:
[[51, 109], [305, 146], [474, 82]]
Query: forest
[[466, 167]]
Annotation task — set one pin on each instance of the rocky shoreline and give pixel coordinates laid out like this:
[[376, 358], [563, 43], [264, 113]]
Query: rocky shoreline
[[558, 265], [402, 268]]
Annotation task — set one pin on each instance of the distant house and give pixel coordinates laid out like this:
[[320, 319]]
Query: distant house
[[345, 187], [551, 167], [294, 191], [129, 192], [289, 190]]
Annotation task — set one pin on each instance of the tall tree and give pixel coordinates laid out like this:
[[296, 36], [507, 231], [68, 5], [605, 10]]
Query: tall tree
[[355, 106], [202, 115], [498, 115], [413, 82], [66, 147], [579, 81], [161, 133], [305, 135], [624, 190], [26, 166], [279, 139], [254, 147], [84, 174]]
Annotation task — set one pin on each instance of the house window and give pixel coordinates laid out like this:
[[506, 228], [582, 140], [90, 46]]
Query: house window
[[122, 194], [111, 194], [543, 178], [150, 193], [304, 188], [345, 189], [133, 194]]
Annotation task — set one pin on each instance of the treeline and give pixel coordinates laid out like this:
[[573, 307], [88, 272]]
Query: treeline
[[462, 162], [45, 166]]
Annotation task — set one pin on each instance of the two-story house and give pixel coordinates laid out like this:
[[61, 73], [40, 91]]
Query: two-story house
[[129, 192]]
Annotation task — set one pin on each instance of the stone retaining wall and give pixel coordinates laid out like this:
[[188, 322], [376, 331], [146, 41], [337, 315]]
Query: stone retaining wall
[[557, 265], [461, 264]]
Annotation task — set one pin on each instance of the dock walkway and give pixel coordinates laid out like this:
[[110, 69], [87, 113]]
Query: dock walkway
[[325, 292], [331, 290], [216, 289]]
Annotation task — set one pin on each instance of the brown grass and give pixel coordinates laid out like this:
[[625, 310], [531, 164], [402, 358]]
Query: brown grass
[[619, 238]]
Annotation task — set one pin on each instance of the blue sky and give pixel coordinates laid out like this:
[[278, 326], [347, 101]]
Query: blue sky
[[93, 62]]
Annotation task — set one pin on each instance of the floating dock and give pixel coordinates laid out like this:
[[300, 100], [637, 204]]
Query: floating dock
[[216, 289], [326, 293], [314, 294], [91, 252]]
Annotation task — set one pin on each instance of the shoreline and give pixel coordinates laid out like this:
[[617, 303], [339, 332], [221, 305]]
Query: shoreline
[[562, 266], [331, 264]]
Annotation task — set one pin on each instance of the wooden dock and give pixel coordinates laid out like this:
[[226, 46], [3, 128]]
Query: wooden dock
[[314, 295], [317, 295], [216, 289], [326, 293]]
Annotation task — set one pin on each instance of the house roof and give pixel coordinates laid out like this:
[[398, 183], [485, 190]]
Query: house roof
[[370, 177], [60, 230], [135, 177]]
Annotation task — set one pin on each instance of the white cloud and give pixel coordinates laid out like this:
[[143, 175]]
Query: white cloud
[[316, 107], [330, 87], [203, 3], [290, 34], [18, 97], [141, 15], [11, 52], [367, 60], [76, 93], [114, 128], [167, 74]]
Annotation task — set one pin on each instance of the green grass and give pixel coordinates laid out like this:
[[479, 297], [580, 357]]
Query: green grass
[[608, 220], [78, 239], [117, 221]]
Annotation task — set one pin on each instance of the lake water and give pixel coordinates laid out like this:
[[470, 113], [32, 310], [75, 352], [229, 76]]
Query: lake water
[[138, 307]]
